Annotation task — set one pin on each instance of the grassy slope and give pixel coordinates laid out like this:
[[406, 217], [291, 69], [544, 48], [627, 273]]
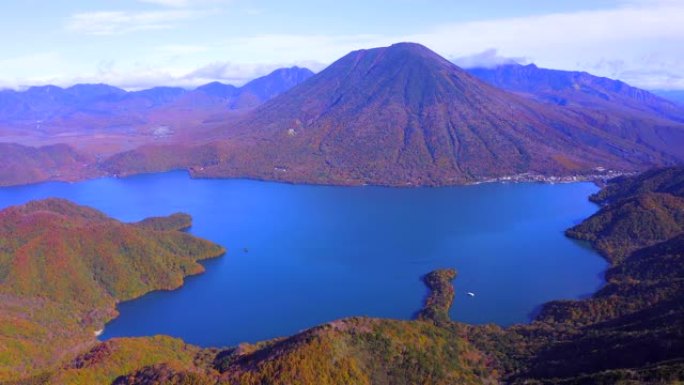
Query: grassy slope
[[64, 267]]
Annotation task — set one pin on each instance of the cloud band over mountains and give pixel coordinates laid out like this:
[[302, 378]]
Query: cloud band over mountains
[[185, 42]]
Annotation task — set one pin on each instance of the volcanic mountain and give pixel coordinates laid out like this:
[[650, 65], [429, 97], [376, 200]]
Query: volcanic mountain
[[404, 115]]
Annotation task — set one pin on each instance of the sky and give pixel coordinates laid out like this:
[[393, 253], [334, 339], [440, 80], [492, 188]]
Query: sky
[[137, 44]]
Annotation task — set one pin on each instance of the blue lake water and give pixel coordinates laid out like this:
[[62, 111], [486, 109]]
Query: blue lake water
[[318, 253]]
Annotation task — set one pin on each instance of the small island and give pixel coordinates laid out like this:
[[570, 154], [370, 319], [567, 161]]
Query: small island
[[440, 298]]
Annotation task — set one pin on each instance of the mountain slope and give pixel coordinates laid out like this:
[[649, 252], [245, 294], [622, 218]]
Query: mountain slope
[[52, 133], [632, 330], [63, 268], [267, 87], [23, 164], [568, 88], [249, 95], [99, 272], [405, 115], [664, 180], [47, 102], [632, 223]]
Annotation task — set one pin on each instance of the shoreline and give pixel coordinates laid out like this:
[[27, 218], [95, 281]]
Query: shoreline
[[598, 178], [531, 315], [169, 289]]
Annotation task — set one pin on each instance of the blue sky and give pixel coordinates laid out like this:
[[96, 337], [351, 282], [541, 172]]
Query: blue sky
[[142, 43]]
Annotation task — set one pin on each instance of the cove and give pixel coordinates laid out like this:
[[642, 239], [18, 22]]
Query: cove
[[301, 255]]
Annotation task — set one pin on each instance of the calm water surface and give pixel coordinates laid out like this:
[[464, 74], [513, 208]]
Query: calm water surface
[[303, 255]]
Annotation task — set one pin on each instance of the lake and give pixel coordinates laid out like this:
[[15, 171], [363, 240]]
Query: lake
[[301, 255]]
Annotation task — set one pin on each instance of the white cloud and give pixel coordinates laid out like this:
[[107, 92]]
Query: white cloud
[[26, 69], [140, 76], [640, 35], [297, 48], [638, 41], [169, 3], [182, 49], [121, 22], [654, 79], [182, 3], [486, 59], [561, 31]]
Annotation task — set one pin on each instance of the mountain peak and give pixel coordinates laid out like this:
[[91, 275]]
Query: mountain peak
[[46, 89], [293, 69], [275, 83], [401, 50], [405, 62], [404, 114], [218, 89], [410, 46]]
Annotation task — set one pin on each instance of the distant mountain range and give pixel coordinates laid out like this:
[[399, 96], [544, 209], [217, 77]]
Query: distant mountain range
[[38, 105], [676, 96], [398, 115], [24, 164], [580, 89]]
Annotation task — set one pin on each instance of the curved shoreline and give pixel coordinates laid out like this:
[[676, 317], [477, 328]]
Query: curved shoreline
[[599, 177], [183, 284]]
